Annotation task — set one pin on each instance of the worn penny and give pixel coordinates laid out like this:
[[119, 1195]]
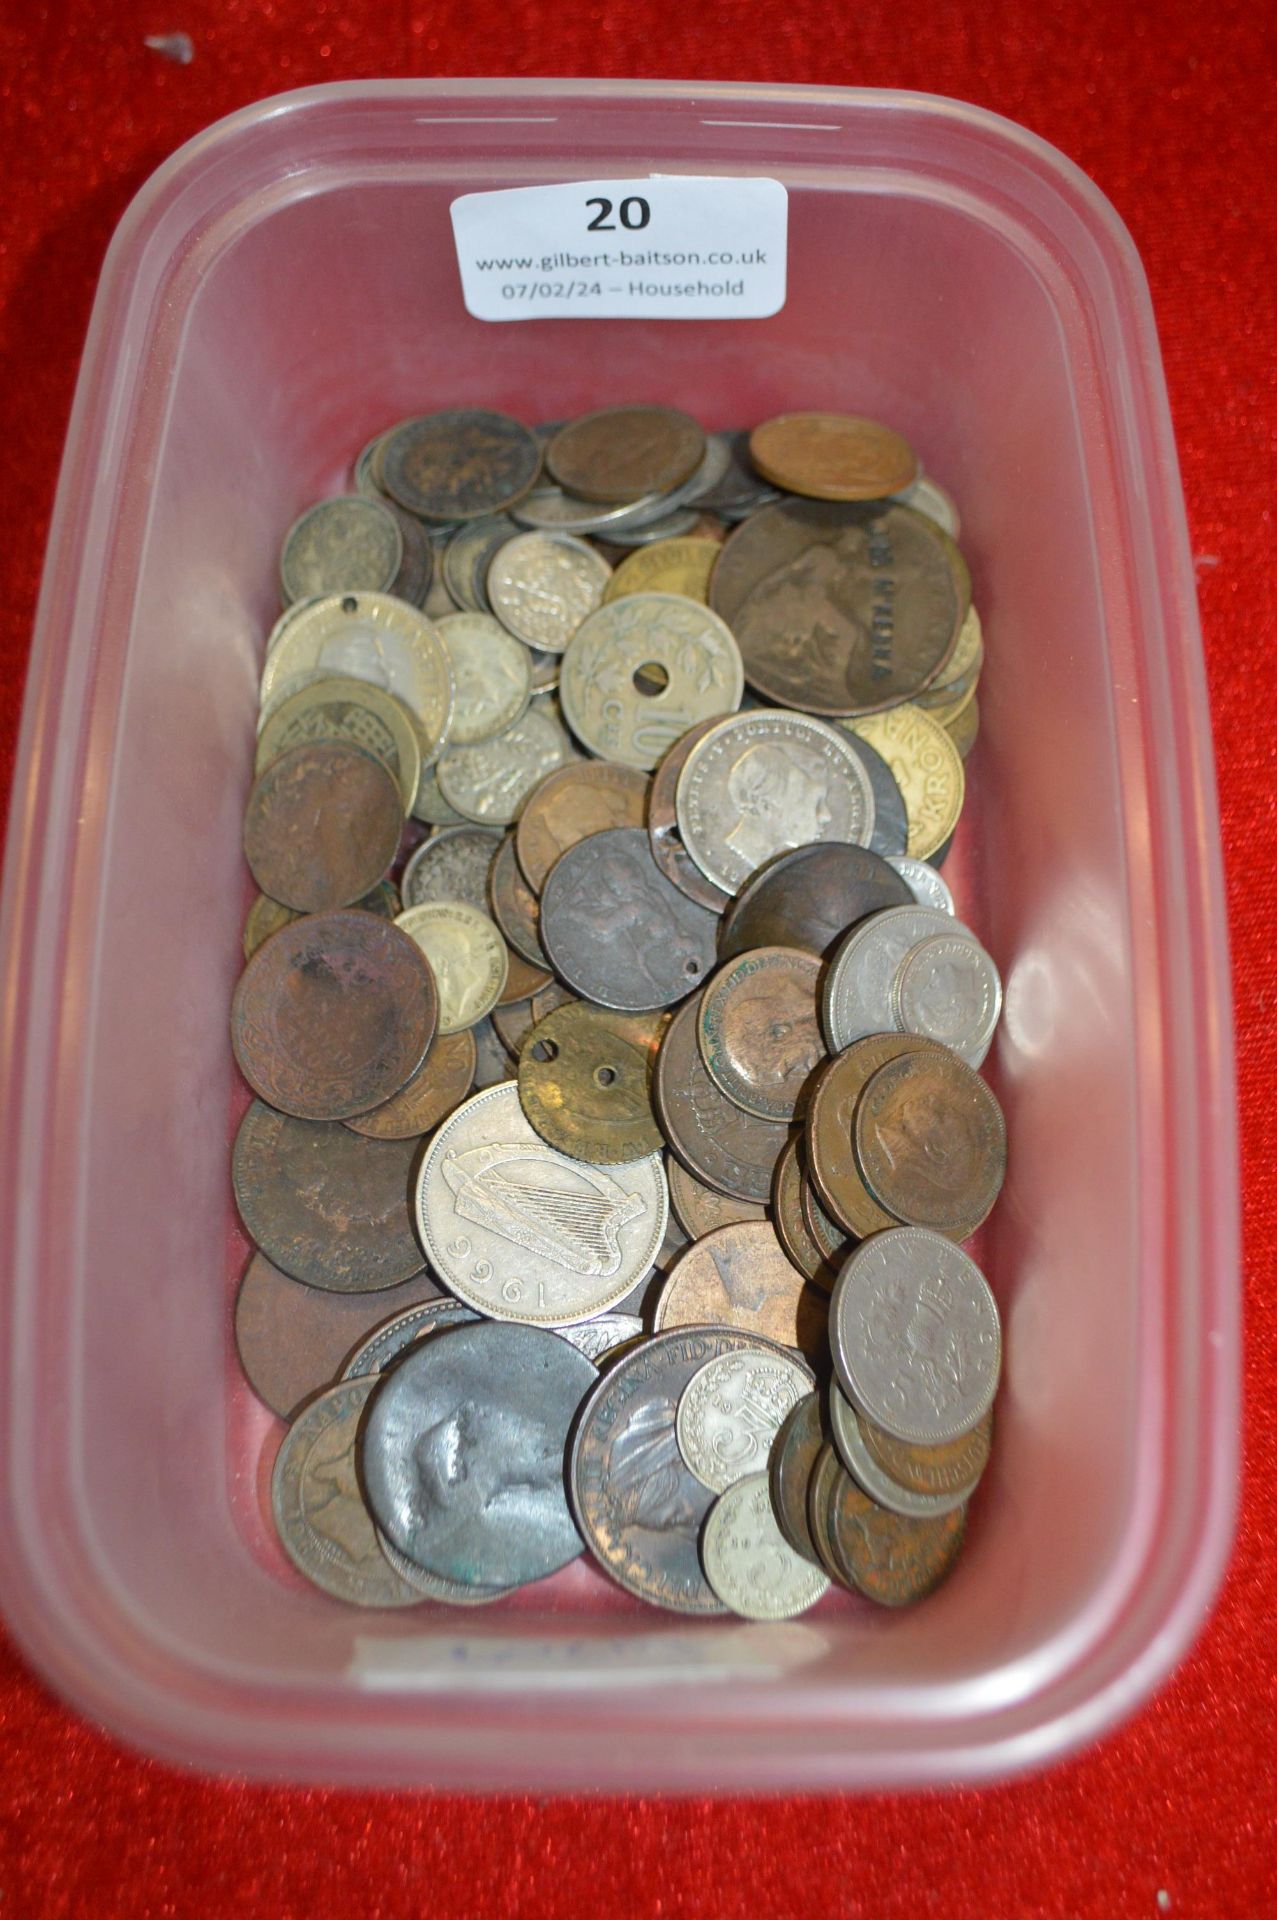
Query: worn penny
[[930, 1141], [671, 856], [790, 1221], [617, 931], [622, 453], [515, 906], [758, 1030], [791, 1464], [831, 1161], [699, 1208], [727, 1148], [808, 897], [738, 1276], [267, 916], [585, 1082], [322, 825], [440, 1083], [833, 456], [458, 464], [568, 805], [888, 1557]]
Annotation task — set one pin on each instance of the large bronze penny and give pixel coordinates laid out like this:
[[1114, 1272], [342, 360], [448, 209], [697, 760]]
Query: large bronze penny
[[885, 1556], [622, 453], [267, 916], [292, 1339], [585, 1082], [522, 980], [759, 1030], [955, 1466], [325, 1205], [792, 1231], [582, 798], [515, 907], [794, 1453], [440, 1083], [333, 1015], [729, 1149], [739, 1277], [833, 456], [457, 465], [322, 825], [699, 1208], [668, 851], [930, 1142], [808, 897], [617, 931], [831, 1130], [839, 610]]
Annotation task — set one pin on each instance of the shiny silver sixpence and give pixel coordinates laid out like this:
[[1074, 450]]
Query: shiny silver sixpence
[[453, 864], [929, 888], [764, 781], [467, 956], [522, 1232], [489, 783], [948, 989], [916, 1336], [642, 670], [731, 1411], [844, 1424], [491, 674], [671, 526], [856, 998], [748, 1561], [348, 545], [542, 585]]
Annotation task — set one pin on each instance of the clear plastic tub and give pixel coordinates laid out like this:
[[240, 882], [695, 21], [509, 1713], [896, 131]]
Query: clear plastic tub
[[283, 287]]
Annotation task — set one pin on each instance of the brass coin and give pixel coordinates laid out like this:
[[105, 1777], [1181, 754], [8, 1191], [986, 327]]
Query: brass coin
[[833, 456], [467, 957], [730, 1150], [522, 980], [324, 1205], [948, 703], [668, 851], [738, 1276], [698, 1208], [808, 897], [965, 728], [930, 1142], [967, 659], [839, 610], [322, 826], [441, 1082], [831, 1126], [794, 1453], [577, 800], [457, 465], [622, 453], [792, 1230], [954, 1467], [333, 1015], [669, 566], [825, 1475], [759, 1030], [885, 1556], [585, 1079], [515, 907], [928, 771], [351, 544], [355, 711], [267, 916]]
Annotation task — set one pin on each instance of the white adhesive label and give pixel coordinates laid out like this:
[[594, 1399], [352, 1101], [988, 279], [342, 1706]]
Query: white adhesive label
[[446, 1663], [672, 247]]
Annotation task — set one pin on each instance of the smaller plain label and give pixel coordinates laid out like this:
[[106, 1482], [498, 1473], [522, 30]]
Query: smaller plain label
[[672, 247]]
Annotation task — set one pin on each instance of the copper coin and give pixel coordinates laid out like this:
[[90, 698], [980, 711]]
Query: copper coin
[[954, 1467], [833, 456], [839, 610], [267, 916], [791, 1227], [668, 851], [622, 453], [403, 1329], [513, 1023], [292, 1339], [793, 1461], [333, 1015], [585, 1083], [440, 1083], [582, 798], [322, 825], [457, 465], [739, 1277], [808, 897], [699, 1208], [931, 1142], [831, 1130], [617, 931], [522, 980], [885, 1556], [515, 907], [325, 1205], [828, 1236], [731, 1150], [825, 1475], [759, 1030]]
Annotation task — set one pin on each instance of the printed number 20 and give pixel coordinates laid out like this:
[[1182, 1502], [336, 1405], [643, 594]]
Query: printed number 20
[[635, 214]]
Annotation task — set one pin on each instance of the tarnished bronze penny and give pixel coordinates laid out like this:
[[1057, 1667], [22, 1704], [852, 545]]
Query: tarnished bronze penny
[[831, 1129], [839, 610], [886, 1557], [622, 453], [668, 851], [267, 916], [808, 897], [583, 798], [322, 825], [930, 1142], [793, 1461], [699, 1208], [355, 712], [617, 931], [759, 1030], [585, 1082], [833, 456], [440, 1083], [739, 1276], [826, 1233], [333, 1015], [825, 1474], [324, 1205], [791, 1227], [515, 907], [954, 1467], [292, 1339], [721, 1144], [457, 465], [522, 980]]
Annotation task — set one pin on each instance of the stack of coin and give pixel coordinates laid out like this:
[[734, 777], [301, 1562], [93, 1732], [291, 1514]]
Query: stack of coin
[[684, 717]]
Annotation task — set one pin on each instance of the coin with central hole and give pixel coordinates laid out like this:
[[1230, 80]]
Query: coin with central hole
[[617, 931], [322, 825], [758, 1032], [456, 465], [641, 671], [622, 453], [585, 1082], [584, 798]]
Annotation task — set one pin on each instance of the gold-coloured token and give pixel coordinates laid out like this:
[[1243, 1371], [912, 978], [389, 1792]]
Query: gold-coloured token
[[585, 1081], [927, 769], [667, 566], [339, 707]]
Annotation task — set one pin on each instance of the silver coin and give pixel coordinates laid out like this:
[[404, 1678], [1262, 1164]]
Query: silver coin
[[450, 1593], [464, 565], [844, 1424], [429, 805], [671, 526], [491, 676], [348, 545], [928, 496], [916, 1337], [550, 510], [731, 1411], [617, 931], [521, 1232], [594, 1338], [765, 781], [891, 821], [929, 888], [394, 1336], [948, 989], [856, 999], [642, 670], [463, 1452], [453, 864], [489, 783], [467, 956], [748, 1561], [739, 491], [542, 585]]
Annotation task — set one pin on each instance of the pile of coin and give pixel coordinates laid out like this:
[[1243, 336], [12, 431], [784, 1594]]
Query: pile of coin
[[604, 773]]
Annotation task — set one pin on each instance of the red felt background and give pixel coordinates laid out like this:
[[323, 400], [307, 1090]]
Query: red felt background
[[1170, 107]]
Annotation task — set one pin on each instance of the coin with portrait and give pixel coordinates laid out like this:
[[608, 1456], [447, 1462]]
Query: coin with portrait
[[758, 1031], [617, 931]]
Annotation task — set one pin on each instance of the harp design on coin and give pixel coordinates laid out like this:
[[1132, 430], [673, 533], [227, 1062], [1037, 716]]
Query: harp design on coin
[[571, 1215]]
